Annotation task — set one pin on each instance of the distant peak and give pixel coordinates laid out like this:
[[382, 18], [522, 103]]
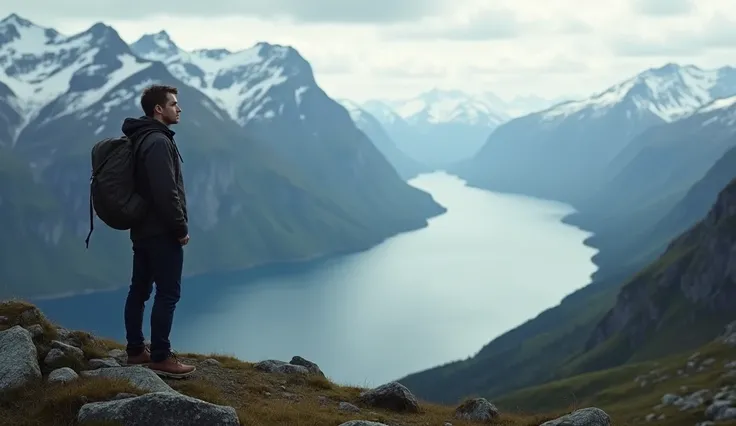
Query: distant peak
[[163, 35], [159, 43], [669, 68], [101, 29], [15, 19]]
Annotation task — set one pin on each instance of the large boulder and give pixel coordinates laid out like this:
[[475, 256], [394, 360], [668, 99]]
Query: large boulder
[[309, 365], [391, 396], [591, 416], [276, 366], [141, 377], [160, 409], [477, 410], [18, 359]]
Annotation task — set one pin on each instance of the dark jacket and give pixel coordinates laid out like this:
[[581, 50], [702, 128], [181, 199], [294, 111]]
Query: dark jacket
[[158, 179]]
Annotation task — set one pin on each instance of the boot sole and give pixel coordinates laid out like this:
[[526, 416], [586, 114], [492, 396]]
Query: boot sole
[[173, 375]]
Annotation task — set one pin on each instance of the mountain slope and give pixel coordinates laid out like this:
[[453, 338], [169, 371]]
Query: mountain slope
[[683, 388], [404, 165], [256, 195], [564, 153], [438, 127], [691, 286]]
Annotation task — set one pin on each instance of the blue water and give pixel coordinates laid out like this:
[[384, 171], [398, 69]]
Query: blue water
[[418, 300]]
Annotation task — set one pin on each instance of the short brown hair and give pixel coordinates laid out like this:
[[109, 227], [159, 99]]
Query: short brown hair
[[155, 95]]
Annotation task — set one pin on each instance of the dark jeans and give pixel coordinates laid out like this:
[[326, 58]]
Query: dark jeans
[[156, 259]]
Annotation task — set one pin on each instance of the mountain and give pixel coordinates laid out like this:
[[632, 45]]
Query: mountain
[[632, 214], [690, 287], [283, 175], [569, 151], [438, 127], [404, 165], [629, 239]]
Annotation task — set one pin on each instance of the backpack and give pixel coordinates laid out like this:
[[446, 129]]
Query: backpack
[[112, 192]]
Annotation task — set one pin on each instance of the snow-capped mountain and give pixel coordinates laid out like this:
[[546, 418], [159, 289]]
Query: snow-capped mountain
[[406, 166], [667, 160], [448, 106], [568, 151], [438, 127], [273, 173], [239, 82], [42, 67], [670, 92]]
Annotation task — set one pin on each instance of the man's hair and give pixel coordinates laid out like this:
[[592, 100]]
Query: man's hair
[[155, 95]]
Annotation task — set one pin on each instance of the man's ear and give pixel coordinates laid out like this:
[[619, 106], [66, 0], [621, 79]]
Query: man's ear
[[159, 109]]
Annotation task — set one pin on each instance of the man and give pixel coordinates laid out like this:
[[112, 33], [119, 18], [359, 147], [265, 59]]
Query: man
[[160, 237]]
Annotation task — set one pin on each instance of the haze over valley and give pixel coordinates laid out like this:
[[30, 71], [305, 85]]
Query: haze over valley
[[457, 205]]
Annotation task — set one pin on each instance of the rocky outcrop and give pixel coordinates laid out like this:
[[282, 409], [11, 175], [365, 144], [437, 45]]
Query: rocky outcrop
[[18, 359], [160, 409]]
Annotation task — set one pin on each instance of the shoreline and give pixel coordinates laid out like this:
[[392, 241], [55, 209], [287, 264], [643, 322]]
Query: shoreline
[[260, 269]]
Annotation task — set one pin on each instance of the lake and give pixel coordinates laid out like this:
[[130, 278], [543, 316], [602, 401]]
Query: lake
[[418, 300]]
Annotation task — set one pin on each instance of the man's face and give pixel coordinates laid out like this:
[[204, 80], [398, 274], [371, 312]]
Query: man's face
[[170, 112]]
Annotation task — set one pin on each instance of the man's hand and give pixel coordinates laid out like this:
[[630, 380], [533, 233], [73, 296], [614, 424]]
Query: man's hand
[[184, 240]]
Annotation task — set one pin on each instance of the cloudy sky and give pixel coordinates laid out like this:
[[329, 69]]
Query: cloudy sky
[[397, 48]]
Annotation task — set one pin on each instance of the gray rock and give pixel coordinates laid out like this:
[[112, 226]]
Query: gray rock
[[68, 337], [275, 366], [211, 362], [63, 375], [160, 409], [36, 330], [362, 423], [63, 355], [720, 410], [584, 417], [103, 363], [478, 410], [309, 365], [141, 377], [118, 355], [347, 407], [391, 396], [670, 399], [18, 359]]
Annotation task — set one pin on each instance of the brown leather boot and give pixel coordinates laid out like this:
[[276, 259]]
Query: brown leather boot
[[142, 358], [172, 368]]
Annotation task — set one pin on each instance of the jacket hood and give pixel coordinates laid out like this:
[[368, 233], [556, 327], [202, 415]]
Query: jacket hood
[[132, 126]]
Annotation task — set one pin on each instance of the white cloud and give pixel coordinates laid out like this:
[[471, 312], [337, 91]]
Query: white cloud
[[509, 47]]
